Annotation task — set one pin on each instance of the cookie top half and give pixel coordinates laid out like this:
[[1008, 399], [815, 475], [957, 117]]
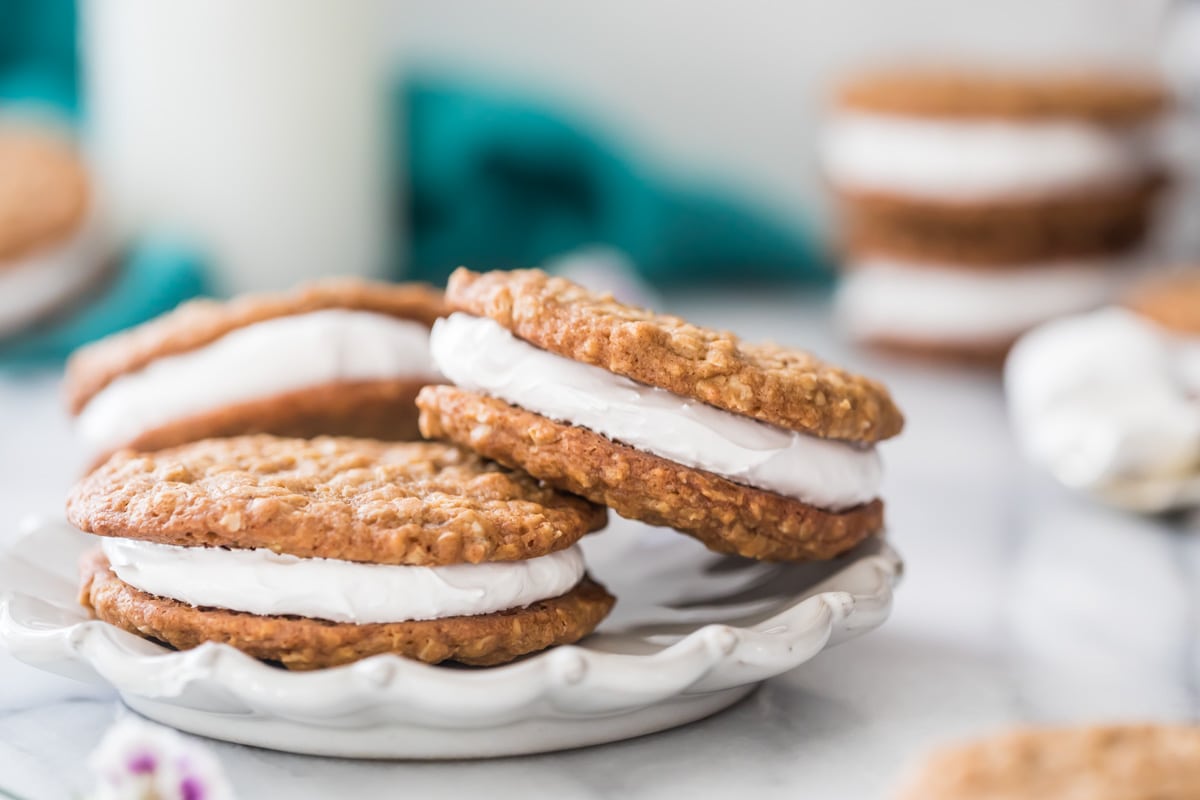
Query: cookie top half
[[1099, 763], [1105, 97], [788, 388], [201, 322], [44, 192], [417, 503], [1172, 301]]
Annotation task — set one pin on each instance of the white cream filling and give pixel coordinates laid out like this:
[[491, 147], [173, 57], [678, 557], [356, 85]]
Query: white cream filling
[[963, 160], [265, 583], [888, 297], [479, 355], [1106, 398], [36, 283], [260, 360]]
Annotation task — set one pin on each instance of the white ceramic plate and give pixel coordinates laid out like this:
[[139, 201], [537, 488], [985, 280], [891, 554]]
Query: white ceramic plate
[[692, 633]]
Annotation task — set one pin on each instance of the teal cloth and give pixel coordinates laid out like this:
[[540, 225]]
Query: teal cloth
[[38, 60], [154, 276], [492, 181], [498, 183]]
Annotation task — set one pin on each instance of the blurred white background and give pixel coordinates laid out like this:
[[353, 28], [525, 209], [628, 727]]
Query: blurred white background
[[732, 90]]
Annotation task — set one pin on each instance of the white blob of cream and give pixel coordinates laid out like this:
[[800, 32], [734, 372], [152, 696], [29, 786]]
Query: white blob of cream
[[37, 283], [1103, 402], [965, 160], [887, 297], [260, 360], [479, 355], [267, 584]]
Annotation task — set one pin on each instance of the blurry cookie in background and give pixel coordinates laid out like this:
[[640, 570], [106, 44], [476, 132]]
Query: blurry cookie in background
[[1172, 301], [51, 249], [977, 204], [340, 357], [1097, 763], [1109, 401]]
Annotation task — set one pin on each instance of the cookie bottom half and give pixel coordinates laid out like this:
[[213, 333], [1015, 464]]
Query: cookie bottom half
[[301, 643], [726, 516], [993, 234], [383, 409], [986, 355]]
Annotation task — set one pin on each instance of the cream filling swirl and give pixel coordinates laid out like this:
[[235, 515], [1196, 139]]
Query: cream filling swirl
[[261, 360], [266, 583]]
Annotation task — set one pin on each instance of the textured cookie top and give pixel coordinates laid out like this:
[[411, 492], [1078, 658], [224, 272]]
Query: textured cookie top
[[352, 499], [1096, 96], [201, 322], [788, 388], [44, 192], [1173, 302], [1103, 763]]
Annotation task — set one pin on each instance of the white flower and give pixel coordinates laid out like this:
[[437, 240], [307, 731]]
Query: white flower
[[140, 761]]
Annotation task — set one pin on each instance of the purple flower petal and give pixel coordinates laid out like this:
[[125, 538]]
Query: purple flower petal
[[142, 763], [192, 788]]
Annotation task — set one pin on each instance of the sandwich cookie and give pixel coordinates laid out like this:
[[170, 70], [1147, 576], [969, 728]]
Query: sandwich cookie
[[753, 449], [341, 357], [315, 553], [51, 248], [978, 205], [1097, 763], [982, 167]]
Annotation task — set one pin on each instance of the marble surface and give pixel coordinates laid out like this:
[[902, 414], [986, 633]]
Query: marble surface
[[1021, 603]]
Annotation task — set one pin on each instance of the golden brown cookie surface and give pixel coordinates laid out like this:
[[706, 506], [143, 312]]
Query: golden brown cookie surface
[[201, 322], [726, 516], [44, 192], [787, 388], [1106, 97], [352, 499], [300, 643], [1173, 302], [1135, 762], [1021, 231]]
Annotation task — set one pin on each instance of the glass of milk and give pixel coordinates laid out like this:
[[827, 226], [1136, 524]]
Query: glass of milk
[[257, 129]]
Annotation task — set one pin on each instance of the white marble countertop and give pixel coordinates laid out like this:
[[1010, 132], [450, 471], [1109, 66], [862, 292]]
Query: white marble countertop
[[1020, 603]]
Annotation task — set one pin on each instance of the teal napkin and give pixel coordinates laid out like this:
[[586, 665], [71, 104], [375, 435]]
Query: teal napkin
[[497, 182], [154, 277]]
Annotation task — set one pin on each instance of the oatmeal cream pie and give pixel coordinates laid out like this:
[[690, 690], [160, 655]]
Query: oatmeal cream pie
[[976, 166], [751, 448], [315, 553], [341, 357], [51, 247], [1097, 763]]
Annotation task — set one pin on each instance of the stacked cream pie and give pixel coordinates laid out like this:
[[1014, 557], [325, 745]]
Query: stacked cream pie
[[754, 449], [315, 553], [978, 204], [341, 357], [52, 251]]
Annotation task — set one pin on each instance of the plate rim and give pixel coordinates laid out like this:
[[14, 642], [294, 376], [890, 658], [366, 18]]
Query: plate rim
[[571, 680]]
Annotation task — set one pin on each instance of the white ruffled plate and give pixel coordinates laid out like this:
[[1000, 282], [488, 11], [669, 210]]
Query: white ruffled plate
[[692, 633]]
